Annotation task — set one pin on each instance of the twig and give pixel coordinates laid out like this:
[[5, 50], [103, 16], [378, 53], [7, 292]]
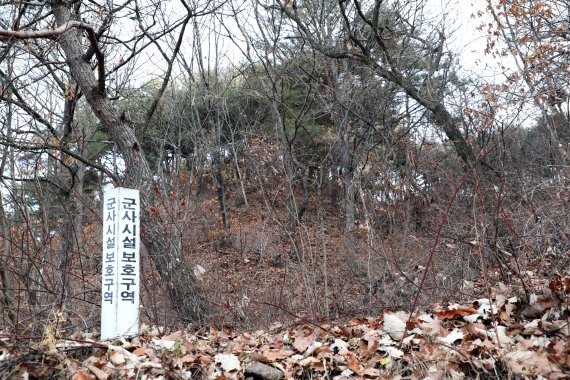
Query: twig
[[36, 337], [432, 250]]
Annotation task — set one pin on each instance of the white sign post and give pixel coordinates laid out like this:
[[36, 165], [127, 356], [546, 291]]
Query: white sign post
[[120, 279]]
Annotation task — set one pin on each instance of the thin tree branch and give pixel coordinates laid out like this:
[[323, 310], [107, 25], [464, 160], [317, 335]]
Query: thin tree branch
[[78, 157], [53, 34]]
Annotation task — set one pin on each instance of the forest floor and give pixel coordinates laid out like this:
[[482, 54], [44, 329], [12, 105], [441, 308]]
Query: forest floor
[[509, 335], [331, 325]]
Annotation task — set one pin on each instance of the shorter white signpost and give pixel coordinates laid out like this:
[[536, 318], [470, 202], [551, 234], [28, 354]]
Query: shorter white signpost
[[120, 279]]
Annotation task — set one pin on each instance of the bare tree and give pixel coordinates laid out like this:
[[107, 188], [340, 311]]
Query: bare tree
[[535, 36], [397, 41], [87, 46], [206, 50]]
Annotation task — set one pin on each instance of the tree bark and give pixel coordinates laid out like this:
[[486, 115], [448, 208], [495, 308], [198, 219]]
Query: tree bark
[[6, 248], [168, 258], [5, 278]]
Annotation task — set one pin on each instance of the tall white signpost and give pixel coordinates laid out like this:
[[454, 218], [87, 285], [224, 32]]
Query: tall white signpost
[[121, 244]]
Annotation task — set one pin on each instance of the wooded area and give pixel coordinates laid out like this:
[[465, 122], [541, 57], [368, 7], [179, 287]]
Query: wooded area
[[305, 160]]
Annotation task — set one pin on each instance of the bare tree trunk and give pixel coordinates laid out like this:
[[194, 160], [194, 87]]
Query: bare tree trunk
[[349, 203], [66, 204], [6, 250], [5, 253], [67, 247], [168, 258], [324, 242], [289, 186], [340, 118], [211, 83], [288, 166], [217, 173]]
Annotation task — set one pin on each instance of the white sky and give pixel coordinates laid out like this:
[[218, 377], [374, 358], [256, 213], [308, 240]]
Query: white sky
[[466, 40]]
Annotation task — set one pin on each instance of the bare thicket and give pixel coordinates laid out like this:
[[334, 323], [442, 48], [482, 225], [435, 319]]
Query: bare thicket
[[318, 159]]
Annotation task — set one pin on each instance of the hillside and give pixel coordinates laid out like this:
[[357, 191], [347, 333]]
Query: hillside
[[315, 189]]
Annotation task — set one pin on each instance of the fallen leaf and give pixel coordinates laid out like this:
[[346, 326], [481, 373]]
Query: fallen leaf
[[312, 362], [393, 352], [174, 336], [203, 360], [99, 374], [453, 336], [82, 375], [530, 363], [499, 334], [140, 351], [258, 357], [366, 346], [228, 362], [213, 329], [340, 345], [168, 344], [471, 318], [370, 373], [312, 348], [384, 361], [432, 326], [128, 355], [353, 363], [273, 354], [301, 343], [476, 329], [117, 358], [454, 311], [394, 326]]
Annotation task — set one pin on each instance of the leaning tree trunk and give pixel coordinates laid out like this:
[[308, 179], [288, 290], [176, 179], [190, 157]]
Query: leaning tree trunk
[[167, 257]]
